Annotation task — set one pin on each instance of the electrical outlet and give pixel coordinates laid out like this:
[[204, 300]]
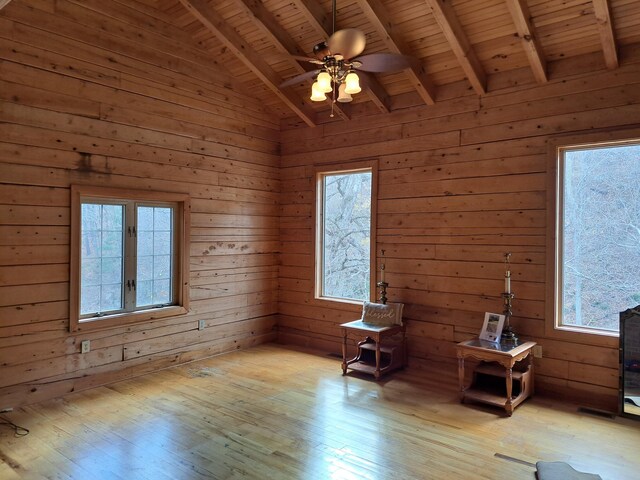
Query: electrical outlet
[[86, 346], [201, 324], [537, 351]]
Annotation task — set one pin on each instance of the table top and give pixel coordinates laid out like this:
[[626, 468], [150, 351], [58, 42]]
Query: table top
[[367, 327], [507, 349]]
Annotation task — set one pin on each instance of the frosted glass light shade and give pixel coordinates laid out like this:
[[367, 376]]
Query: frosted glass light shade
[[343, 96], [324, 82], [316, 94], [352, 83]]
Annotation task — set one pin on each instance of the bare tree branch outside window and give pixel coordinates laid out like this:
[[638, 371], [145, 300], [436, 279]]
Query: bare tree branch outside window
[[600, 235], [346, 236]]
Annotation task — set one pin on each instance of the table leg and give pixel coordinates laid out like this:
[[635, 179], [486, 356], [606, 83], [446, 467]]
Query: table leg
[[531, 376], [461, 377], [405, 353], [509, 405], [377, 372], [344, 351]]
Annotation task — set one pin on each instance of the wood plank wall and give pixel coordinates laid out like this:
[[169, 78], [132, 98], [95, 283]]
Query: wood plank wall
[[109, 93], [460, 183]]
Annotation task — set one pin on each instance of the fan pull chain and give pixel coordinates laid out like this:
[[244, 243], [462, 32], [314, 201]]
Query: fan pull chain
[[333, 93]]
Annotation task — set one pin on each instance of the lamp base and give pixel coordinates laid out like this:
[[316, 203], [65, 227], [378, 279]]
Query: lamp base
[[383, 292], [508, 335]]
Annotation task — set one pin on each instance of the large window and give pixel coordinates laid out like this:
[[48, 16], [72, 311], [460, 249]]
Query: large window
[[344, 235], [598, 241], [128, 261]]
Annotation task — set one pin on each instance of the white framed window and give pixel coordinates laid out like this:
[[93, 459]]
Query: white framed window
[[129, 258], [345, 233], [597, 235]]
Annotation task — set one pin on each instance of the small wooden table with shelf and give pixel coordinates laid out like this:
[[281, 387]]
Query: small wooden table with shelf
[[378, 353], [497, 362]]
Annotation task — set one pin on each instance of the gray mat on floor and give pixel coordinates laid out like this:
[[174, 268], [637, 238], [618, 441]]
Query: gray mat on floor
[[561, 471], [632, 399]]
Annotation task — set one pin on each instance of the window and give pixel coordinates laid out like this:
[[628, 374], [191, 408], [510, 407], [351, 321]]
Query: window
[[344, 234], [127, 256], [598, 240]]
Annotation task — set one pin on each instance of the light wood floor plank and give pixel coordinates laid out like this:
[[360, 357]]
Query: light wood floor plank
[[279, 413]]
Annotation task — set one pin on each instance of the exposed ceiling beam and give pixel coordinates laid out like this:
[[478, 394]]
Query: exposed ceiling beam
[[267, 22], [270, 26], [4, 3], [321, 23], [377, 14], [602, 9], [377, 93], [315, 15], [447, 19], [213, 22], [526, 31]]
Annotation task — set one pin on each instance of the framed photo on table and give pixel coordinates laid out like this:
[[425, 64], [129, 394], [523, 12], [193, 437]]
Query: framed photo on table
[[492, 327]]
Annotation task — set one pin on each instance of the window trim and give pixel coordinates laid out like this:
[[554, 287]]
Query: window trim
[[181, 236], [318, 173], [552, 329]]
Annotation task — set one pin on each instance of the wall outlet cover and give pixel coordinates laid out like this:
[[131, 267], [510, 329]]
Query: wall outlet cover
[[86, 346], [201, 324], [537, 351]]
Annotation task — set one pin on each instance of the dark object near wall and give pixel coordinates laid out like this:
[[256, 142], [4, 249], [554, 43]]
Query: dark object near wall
[[561, 471], [630, 363]]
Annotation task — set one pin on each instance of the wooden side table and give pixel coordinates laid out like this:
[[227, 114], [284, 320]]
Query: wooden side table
[[497, 361], [377, 353]]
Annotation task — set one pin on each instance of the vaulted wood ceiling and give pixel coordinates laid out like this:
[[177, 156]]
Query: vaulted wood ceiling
[[464, 47]]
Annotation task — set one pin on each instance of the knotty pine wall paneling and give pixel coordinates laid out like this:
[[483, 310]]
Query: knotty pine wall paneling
[[460, 183], [109, 93]]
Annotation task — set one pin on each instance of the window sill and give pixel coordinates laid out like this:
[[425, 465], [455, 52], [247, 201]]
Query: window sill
[[587, 331], [124, 319], [340, 300], [350, 307], [597, 338]]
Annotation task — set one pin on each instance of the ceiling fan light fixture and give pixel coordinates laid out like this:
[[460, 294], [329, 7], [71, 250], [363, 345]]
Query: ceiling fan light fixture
[[317, 95], [343, 96], [324, 82], [338, 58], [352, 82]]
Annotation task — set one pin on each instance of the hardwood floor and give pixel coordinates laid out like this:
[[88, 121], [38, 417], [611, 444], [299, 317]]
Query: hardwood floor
[[272, 412]]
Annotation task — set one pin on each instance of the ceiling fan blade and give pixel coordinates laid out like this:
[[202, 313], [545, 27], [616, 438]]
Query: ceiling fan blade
[[348, 43], [299, 78], [307, 59], [385, 62]]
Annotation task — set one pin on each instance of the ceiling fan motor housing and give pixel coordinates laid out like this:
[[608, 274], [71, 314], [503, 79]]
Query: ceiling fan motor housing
[[321, 50]]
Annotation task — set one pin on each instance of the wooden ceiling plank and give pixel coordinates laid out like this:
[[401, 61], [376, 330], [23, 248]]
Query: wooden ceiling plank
[[375, 12], [213, 22], [602, 10], [321, 23], [527, 34], [267, 22], [446, 17], [315, 15]]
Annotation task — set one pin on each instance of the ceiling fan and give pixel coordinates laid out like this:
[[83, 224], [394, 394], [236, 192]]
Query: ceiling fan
[[338, 63]]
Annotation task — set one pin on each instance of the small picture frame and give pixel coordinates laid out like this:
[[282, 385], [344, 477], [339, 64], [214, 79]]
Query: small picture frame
[[492, 327]]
